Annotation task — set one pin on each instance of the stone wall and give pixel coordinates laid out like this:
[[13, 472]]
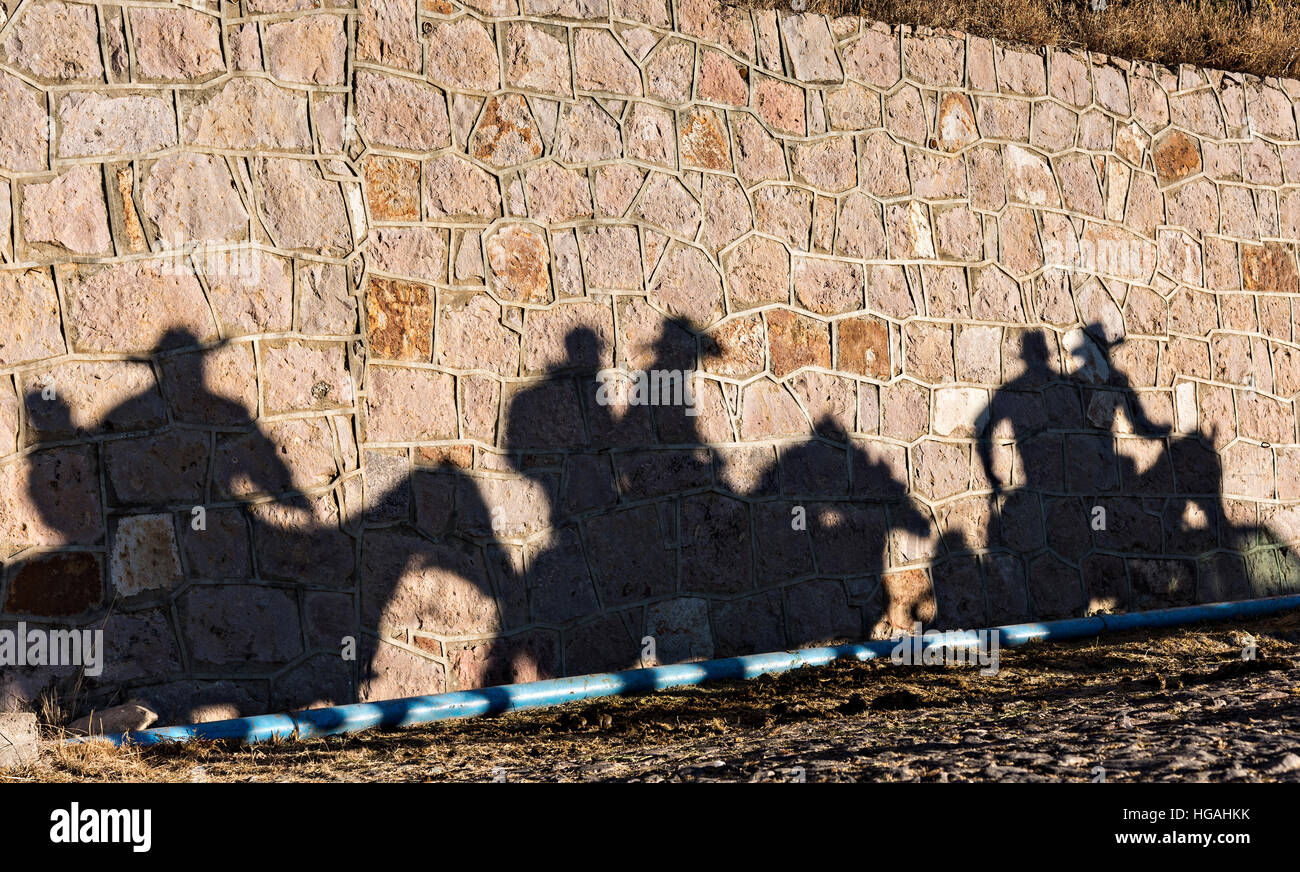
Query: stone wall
[[323, 328]]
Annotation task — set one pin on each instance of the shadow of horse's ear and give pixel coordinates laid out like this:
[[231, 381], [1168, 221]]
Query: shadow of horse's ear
[[827, 425], [177, 337]]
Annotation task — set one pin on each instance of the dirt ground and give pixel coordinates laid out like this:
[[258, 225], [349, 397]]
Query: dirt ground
[[1176, 705]]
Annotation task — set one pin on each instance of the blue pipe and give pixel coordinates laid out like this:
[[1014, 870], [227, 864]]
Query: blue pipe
[[409, 711]]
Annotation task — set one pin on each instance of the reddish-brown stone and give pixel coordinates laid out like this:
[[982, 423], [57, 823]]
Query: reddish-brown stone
[[56, 585], [1269, 269], [399, 320], [864, 347]]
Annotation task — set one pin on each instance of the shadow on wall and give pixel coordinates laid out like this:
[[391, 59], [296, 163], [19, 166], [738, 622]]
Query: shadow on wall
[[609, 520]]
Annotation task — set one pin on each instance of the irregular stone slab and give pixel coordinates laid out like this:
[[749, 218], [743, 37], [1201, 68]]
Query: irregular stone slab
[[301, 208], [24, 135], [471, 336], [56, 41], [537, 58], [400, 320], [310, 50], [602, 64], [145, 555], [410, 405], [69, 211], [796, 341], [251, 114], [520, 262], [114, 719], [305, 376], [94, 124], [506, 134], [396, 111], [129, 307], [68, 515], [392, 188], [93, 396], [19, 740], [547, 346], [811, 47], [229, 625], [191, 198], [586, 133], [456, 188], [176, 44], [386, 34], [419, 252], [256, 299], [556, 194], [466, 57], [689, 286], [29, 317]]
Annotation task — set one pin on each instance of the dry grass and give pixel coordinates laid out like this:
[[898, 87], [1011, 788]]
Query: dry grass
[[1222, 34]]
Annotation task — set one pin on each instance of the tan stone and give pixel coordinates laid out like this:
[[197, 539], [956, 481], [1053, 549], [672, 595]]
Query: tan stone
[[172, 44], [736, 348], [255, 300], [828, 287], [727, 214], [506, 134], [456, 188], [410, 405], [471, 336], [759, 156], [1270, 268], [854, 108], [602, 65], [537, 58], [688, 286], [57, 41], [23, 139], [611, 257], [95, 124], [704, 140], [465, 57], [827, 164], [191, 198], [811, 48], [666, 203], [874, 57], [884, 166], [586, 133], [68, 211], [386, 34], [309, 50], [781, 105], [758, 272], [651, 135], [669, 72], [251, 114], [301, 208], [401, 112], [768, 411], [129, 307], [546, 340]]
